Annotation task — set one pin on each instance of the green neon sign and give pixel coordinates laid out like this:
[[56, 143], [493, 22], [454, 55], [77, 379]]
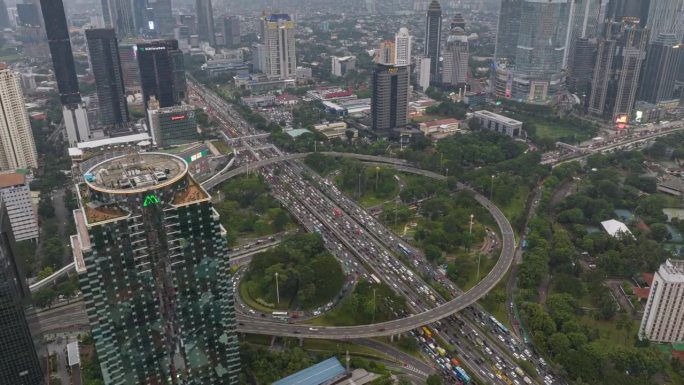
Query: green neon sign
[[150, 200]]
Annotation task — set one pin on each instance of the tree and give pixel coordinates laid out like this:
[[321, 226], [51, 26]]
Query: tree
[[659, 232], [434, 379], [46, 272], [433, 252], [44, 297]]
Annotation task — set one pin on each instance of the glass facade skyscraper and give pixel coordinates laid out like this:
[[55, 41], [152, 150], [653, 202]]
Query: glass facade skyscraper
[[103, 50], [530, 59], [162, 72], [18, 360], [389, 102], [151, 258], [433, 38]]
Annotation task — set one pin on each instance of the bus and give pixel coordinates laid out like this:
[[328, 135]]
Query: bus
[[280, 315], [375, 279], [498, 325], [405, 250], [461, 375], [427, 331]]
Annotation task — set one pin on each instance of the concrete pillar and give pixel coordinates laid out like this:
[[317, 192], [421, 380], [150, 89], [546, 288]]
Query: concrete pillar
[[301, 342], [273, 339], [391, 337]]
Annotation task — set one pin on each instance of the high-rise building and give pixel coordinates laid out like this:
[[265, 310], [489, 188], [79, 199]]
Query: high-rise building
[[17, 148], [151, 259], [660, 69], [162, 72], [529, 62], [189, 21], [457, 21], [424, 73], [172, 126], [60, 50], [341, 65], [663, 319], [16, 196], [205, 21], [18, 360], [402, 47], [231, 30], [433, 38], [620, 54], [129, 67], [4, 16], [389, 102], [28, 15], [627, 10], [666, 17], [120, 15], [163, 20], [103, 50], [455, 55], [386, 53], [581, 65], [73, 110], [278, 38]]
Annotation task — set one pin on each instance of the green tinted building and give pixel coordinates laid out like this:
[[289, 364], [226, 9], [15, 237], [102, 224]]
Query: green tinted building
[[152, 265]]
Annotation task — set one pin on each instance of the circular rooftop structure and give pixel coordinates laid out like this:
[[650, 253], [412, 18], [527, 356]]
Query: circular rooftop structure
[[136, 173]]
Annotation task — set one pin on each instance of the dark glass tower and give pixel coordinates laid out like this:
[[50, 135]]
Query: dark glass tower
[[60, 50], [103, 50], [152, 265], [205, 21], [660, 69], [231, 30], [389, 103], [18, 360], [433, 38], [162, 72], [4, 16]]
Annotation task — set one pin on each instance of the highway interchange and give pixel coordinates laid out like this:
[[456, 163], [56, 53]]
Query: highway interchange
[[349, 231]]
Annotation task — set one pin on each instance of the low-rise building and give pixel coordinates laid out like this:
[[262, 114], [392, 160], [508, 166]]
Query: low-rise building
[[440, 128], [341, 65], [259, 101], [499, 123], [663, 319], [335, 130], [16, 196]]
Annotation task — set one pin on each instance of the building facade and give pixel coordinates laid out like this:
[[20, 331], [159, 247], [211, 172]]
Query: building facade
[[657, 81], [103, 50], [151, 258], [455, 59], [581, 65], [130, 71], [402, 43], [16, 196], [531, 68], [19, 363], [663, 319], [389, 102], [162, 72], [60, 50], [163, 19], [278, 39], [424, 73], [231, 31], [175, 125], [499, 123], [433, 39], [340, 65], [205, 21], [386, 53], [666, 17], [17, 147]]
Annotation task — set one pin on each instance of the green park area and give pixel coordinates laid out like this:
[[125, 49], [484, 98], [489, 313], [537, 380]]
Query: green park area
[[248, 210], [368, 303], [222, 147], [308, 276]]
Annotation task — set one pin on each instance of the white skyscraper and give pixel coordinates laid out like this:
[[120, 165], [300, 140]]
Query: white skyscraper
[[455, 63], [17, 148], [402, 50], [16, 196], [424, 78], [663, 319], [278, 38]]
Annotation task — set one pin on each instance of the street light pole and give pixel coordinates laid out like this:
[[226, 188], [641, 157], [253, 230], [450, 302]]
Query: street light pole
[[373, 321], [377, 170], [278, 290], [471, 223]]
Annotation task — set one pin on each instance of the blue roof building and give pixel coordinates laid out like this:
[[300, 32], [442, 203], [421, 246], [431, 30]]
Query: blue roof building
[[324, 372]]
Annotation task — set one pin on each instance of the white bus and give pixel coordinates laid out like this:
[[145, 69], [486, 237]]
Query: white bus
[[375, 279]]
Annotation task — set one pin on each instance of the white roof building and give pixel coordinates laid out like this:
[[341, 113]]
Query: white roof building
[[615, 228]]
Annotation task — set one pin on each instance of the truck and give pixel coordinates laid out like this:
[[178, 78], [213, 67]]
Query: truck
[[455, 362], [432, 346], [527, 380], [519, 371], [441, 351], [427, 331]]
